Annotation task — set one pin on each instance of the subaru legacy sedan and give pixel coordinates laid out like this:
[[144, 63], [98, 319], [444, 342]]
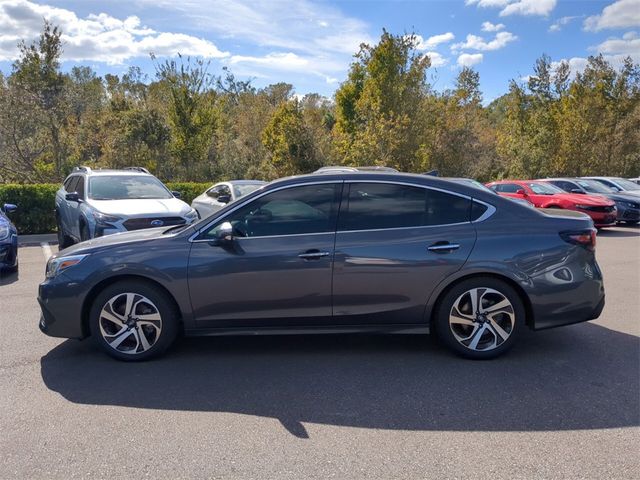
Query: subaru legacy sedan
[[333, 253]]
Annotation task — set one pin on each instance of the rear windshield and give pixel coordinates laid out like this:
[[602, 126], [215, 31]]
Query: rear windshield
[[125, 187], [627, 184], [592, 186], [544, 189]]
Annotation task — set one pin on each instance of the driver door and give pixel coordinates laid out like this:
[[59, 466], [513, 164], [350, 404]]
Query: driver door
[[276, 269]]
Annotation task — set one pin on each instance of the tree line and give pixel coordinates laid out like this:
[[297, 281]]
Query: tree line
[[188, 123]]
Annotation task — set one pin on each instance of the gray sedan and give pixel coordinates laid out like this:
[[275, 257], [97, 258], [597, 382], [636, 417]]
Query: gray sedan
[[331, 253]]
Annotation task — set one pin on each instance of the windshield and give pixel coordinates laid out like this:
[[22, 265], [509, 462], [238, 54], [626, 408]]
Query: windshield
[[544, 189], [246, 189], [125, 187], [626, 184], [592, 186]]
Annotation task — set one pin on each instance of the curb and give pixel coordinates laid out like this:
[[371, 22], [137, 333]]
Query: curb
[[36, 240]]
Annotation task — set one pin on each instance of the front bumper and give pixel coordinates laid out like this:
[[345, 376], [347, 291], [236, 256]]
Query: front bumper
[[627, 214], [61, 303], [8, 255], [601, 219]]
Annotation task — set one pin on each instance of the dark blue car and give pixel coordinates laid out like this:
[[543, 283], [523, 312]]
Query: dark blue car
[[8, 240]]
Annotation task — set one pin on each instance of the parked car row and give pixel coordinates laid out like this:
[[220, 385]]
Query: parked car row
[[337, 251], [606, 200]]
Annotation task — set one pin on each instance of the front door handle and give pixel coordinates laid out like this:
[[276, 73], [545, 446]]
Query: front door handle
[[313, 254], [443, 247]]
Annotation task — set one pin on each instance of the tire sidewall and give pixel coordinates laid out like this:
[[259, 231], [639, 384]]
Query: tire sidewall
[[443, 329], [167, 310]]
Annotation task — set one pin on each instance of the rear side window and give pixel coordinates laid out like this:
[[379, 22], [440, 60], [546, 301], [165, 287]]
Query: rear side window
[[508, 188], [369, 206]]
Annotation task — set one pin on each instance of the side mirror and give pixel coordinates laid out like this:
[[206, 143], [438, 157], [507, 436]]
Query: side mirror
[[576, 190], [176, 194], [9, 208], [224, 233], [521, 191], [72, 197], [224, 198]]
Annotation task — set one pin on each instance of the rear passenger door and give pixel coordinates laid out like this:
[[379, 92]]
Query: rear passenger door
[[395, 243]]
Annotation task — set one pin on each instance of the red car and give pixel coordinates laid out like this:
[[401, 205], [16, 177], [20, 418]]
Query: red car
[[543, 195]]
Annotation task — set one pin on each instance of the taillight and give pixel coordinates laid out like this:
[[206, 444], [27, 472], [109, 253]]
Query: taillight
[[586, 238]]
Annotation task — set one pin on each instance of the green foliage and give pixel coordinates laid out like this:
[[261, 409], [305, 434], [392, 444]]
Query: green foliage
[[189, 124], [35, 206]]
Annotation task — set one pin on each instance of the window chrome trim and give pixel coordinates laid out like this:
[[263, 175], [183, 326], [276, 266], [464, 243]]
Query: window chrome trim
[[193, 237], [488, 213]]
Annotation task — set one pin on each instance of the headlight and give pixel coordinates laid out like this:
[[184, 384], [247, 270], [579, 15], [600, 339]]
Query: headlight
[[104, 219], [191, 216], [4, 232], [59, 264]]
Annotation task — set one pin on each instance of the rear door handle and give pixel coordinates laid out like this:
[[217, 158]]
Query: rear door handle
[[313, 254], [443, 247]]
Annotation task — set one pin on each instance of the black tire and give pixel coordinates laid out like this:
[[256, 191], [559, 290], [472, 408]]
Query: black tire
[[511, 321], [63, 240], [84, 232], [159, 343]]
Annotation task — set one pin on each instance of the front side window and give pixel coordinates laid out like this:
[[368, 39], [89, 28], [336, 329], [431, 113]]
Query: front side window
[[125, 187], [291, 211], [371, 206], [80, 187]]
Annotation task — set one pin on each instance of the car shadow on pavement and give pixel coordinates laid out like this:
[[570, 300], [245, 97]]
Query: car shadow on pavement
[[581, 377], [7, 277], [621, 231]]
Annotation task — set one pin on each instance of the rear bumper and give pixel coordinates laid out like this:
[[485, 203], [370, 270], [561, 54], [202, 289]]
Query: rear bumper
[[570, 294]]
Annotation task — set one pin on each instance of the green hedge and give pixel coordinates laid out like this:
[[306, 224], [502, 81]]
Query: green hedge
[[36, 203]]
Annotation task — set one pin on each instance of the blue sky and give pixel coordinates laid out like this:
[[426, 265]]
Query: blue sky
[[310, 43]]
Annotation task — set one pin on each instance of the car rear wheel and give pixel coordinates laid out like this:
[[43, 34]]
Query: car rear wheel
[[133, 321], [480, 318]]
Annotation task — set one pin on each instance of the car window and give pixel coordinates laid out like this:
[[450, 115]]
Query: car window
[[80, 187], [508, 187], [213, 192], [127, 187], [67, 183], [291, 211], [544, 189], [592, 186], [382, 205], [73, 184], [224, 190], [246, 189]]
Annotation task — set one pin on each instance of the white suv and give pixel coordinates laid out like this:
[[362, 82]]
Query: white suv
[[93, 203]]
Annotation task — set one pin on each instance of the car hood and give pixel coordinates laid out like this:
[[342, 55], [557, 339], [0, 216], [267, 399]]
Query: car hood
[[622, 197], [162, 207], [147, 234], [581, 199]]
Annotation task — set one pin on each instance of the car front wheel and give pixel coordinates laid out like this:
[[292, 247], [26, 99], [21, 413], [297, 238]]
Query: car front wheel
[[133, 321], [480, 318]]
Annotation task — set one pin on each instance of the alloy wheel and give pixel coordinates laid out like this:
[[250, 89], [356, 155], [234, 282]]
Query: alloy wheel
[[482, 319], [130, 323]]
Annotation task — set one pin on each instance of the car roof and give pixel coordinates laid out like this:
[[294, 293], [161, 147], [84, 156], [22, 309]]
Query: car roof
[[245, 182]]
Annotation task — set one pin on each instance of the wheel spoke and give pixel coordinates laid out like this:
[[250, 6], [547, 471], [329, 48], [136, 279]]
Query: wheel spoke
[[143, 339], [121, 337], [475, 339], [474, 300], [129, 305], [151, 317], [498, 329], [111, 317], [502, 305]]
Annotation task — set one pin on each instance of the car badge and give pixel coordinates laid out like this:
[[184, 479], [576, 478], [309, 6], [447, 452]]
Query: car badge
[[157, 223]]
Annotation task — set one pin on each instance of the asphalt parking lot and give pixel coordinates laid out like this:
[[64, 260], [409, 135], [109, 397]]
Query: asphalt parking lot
[[563, 403]]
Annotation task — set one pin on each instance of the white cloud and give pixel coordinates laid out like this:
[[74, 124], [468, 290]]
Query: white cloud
[[469, 59], [517, 7], [492, 27], [100, 38], [620, 14], [561, 22], [437, 60], [434, 41], [474, 42], [628, 45]]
